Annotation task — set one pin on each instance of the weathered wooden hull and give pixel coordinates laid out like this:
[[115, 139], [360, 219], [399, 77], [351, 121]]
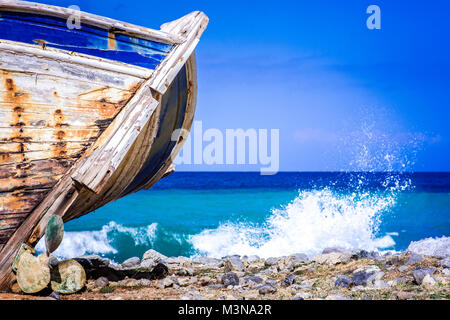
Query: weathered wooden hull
[[86, 116]]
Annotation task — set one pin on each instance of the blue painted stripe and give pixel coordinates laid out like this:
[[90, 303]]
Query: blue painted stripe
[[89, 40]]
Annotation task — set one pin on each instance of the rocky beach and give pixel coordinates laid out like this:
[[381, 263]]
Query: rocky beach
[[420, 272]]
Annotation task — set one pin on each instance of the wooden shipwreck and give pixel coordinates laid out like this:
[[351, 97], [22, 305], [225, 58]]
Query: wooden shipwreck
[[88, 113]]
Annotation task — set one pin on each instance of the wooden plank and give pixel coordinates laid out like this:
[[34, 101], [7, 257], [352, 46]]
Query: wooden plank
[[106, 159], [93, 110], [19, 147], [192, 26], [45, 89], [33, 175], [94, 20], [21, 201], [47, 134], [5, 235], [14, 61], [55, 151], [55, 117]]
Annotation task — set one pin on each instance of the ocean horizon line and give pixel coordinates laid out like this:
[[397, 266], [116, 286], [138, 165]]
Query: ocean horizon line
[[315, 171]]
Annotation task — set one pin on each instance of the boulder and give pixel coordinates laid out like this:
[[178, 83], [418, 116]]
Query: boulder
[[336, 250], [250, 259], [363, 254], [159, 271], [131, 263], [414, 258], [343, 282], [93, 261], [209, 262], [360, 278], [420, 274], [233, 263], [151, 258], [97, 267], [445, 262], [271, 262]]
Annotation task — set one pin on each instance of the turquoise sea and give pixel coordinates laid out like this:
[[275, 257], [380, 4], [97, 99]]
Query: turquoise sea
[[218, 214]]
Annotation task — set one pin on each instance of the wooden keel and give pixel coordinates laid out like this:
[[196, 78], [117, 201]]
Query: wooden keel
[[121, 153]]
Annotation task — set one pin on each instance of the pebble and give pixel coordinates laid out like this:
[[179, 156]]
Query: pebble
[[55, 295], [403, 268], [166, 283], [101, 282], [380, 284], [404, 295], [267, 289], [144, 282], [336, 297], [289, 280], [254, 279], [429, 281], [332, 258], [204, 281], [230, 279]]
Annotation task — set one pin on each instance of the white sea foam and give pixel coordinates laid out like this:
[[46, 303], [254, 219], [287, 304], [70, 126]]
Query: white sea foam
[[100, 242], [311, 222]]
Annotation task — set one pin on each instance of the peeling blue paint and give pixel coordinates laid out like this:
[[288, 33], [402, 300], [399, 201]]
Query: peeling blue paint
[[91, 40]]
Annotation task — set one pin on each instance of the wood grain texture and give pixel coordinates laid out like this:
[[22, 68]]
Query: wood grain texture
[[51, 112]]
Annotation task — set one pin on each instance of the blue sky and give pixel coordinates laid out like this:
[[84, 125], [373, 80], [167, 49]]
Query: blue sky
[[343, 96]]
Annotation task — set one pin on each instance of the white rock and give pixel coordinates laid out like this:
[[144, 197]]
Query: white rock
[[433, 247], [428, 281], [332, 258]]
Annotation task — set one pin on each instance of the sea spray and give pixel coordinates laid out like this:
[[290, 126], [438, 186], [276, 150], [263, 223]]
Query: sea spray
[[102, 242], [313, 221]]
